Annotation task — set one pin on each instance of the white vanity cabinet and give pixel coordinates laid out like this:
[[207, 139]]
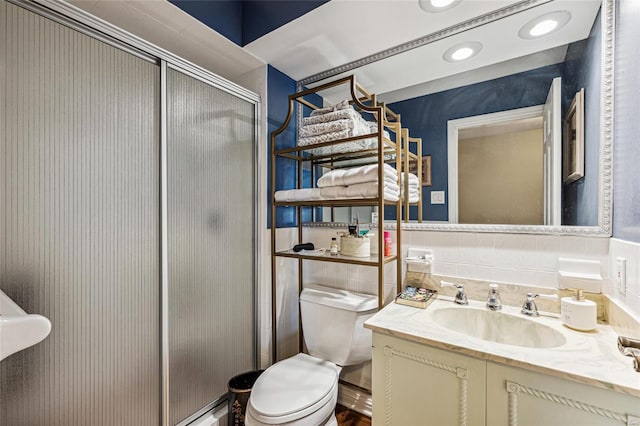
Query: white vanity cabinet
[[417, 384], [526, 398]]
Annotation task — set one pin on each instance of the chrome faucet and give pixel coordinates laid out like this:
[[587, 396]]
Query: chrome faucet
[[529, 306], [460, 297], [493, 299]]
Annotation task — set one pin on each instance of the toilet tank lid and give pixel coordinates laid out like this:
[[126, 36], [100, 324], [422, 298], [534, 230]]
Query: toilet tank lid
[[336, 298]]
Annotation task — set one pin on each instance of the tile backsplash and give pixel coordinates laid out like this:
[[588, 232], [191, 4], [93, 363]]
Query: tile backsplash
[[530, 261]]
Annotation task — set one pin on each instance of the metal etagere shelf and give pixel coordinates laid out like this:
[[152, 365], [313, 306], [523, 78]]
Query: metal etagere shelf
[[389, 149]]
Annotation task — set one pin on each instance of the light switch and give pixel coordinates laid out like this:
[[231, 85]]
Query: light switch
[[437, 197]]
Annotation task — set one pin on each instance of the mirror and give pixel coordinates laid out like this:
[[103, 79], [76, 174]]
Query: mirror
[[453, 102]]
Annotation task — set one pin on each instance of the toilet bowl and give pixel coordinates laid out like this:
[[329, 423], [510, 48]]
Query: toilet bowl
[[303, 389]]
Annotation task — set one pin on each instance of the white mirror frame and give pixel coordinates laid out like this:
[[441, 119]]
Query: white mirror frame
[[603, 229]]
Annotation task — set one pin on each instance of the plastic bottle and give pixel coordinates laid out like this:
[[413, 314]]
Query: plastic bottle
[[387, 243], [334, 247]]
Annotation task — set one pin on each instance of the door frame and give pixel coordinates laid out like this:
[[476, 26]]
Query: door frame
[[453, 129]]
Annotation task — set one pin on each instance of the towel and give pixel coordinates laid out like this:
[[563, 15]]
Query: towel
[[305, 194], [370, 190], [340, 105], [341, 114], [413, 179], [328, 127], [346, 177], [360, 190]]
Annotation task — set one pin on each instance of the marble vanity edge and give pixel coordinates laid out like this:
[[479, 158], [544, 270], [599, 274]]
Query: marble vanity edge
[[505, 360]]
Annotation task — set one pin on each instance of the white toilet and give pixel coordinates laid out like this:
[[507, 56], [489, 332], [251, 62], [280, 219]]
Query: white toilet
[[303, 389]]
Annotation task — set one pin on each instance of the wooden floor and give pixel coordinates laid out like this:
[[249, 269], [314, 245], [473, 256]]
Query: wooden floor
[[348, 417]]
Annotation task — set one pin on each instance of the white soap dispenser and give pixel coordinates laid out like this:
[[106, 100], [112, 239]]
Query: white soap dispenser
[[577, 312]]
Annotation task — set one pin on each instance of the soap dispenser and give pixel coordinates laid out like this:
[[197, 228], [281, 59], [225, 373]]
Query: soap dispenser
[[577, 312]]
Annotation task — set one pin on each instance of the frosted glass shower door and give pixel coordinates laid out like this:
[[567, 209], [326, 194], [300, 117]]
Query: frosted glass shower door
[[210, 214]]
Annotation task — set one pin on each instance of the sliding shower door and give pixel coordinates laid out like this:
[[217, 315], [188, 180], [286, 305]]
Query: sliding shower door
[[210, 213], [79, 224]]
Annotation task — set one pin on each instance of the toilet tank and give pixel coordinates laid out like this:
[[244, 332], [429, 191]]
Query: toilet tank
[[333, 324]]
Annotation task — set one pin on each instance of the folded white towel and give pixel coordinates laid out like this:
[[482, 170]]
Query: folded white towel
[[328, 127], [414, 198], [370, 190], [305, 194], [340, 105], [363, 190], [346, 177], [333, 192], [413, 179], [341, 114]]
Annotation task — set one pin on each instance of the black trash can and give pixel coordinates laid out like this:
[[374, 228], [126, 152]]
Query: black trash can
[[239, 392]]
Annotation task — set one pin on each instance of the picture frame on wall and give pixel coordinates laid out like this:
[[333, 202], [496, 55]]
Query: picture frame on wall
[[426, 170], [425, 179], [573, 140]]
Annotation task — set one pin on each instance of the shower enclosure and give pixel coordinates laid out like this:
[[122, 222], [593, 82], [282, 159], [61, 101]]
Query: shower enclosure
[[127, 217]]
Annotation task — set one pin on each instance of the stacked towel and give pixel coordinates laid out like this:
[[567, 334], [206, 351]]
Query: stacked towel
[[414, 187], [339, 184], [328, 124], [360, 190], [346, 177]]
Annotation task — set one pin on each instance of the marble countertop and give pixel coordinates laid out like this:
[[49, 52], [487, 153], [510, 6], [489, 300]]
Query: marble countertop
[[586, 357]]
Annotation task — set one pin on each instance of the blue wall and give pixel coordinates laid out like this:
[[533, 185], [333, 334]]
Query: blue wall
[[243, 21], [626, 149], [582, 69], [224, 16], [426, 117], [262, 17]]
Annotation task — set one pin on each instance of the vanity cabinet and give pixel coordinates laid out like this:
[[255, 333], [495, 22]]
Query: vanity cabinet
[[416, 384], [526, 398]]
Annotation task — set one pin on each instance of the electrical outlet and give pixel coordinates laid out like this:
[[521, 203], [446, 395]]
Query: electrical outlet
[[621, 275]]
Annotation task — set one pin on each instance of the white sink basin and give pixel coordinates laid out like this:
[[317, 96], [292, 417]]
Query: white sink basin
[[498, 327], [19, 330]]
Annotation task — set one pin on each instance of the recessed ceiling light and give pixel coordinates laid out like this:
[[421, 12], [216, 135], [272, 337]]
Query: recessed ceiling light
[[434, 6], [545, 24], [462, 51]]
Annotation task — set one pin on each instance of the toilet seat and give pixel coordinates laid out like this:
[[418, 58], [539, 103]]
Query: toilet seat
[[295, 388]]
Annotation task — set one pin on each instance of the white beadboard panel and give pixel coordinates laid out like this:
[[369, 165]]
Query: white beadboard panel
[[210, 148], [79, 225]]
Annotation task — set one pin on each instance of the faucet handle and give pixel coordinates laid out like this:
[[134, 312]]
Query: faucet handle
[[493, 299], [461, 296], [529, 306]]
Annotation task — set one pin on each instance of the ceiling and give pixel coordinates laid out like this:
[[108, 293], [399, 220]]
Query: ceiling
[[342, 31]]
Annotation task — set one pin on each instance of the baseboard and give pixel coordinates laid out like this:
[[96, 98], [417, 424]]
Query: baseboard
[[355, 399]]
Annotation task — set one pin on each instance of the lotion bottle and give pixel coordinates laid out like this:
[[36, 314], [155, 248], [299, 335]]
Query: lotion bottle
[[577, 312]]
